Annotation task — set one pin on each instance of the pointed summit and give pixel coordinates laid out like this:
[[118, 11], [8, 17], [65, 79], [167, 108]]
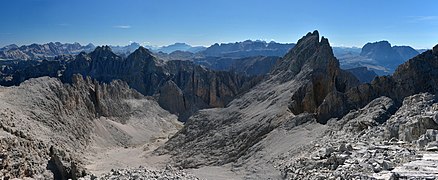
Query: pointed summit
[[104, 53], [141, 54], [312, 62], [435, 49], [309, 52], [142, 51]]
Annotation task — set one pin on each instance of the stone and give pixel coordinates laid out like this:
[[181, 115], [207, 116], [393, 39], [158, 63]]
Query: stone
[[387, 165], [429, 137], [376, 167], [326, 152], [343, 148]]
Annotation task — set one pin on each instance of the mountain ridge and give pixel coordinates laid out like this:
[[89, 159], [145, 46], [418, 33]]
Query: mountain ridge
[[236, 128], [144, 72]]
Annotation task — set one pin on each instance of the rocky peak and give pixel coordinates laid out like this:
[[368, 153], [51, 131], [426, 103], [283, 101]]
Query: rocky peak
[[102, 52], [306, 84], [309, 54], [312, 63], [369, 47], [435, 49], [141, 53]]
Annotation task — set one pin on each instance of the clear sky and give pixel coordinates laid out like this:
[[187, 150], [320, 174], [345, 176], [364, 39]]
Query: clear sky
[[204, 22]]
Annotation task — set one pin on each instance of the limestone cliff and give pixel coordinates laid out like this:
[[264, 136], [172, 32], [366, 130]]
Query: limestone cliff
[[199, 87]]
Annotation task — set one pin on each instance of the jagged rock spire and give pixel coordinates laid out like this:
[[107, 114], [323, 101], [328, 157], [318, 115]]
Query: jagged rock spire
[[310, 52]]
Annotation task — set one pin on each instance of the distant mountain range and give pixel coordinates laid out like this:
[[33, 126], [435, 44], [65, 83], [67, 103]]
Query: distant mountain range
[[179, 47], [247, 48], [380, 57], [163, 49], [42, 51]]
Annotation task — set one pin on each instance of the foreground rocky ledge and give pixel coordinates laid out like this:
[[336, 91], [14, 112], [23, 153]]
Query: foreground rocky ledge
[[169, 173]]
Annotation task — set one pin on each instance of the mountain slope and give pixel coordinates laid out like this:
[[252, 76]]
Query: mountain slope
[[48, 128], [306, 75]]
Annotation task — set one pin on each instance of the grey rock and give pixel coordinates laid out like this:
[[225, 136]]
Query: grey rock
[[429, 137], [412, 120], [326, 152], [46, 125], [201, 88], [387, 165]]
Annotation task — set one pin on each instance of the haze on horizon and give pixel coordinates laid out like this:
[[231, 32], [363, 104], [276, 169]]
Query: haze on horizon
[[345, 23]]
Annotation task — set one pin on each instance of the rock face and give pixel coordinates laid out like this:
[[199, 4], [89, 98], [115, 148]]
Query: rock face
[[417, 75], [363, 74], [14, 72], [249, 66], [43, 51], [47, 126], [312, 62], [200, 88], [172, 98], [303, 78], [413, 118]]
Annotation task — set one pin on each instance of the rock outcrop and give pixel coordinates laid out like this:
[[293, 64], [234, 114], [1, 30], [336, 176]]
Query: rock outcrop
[[141, 173], [312, 62], [200, 87], [371, 143], [413, 118]]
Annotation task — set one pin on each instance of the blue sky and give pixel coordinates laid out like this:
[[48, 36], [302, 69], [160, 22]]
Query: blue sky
[[204, 22]]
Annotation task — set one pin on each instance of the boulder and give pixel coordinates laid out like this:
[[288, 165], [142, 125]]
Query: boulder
[[413, 118]]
